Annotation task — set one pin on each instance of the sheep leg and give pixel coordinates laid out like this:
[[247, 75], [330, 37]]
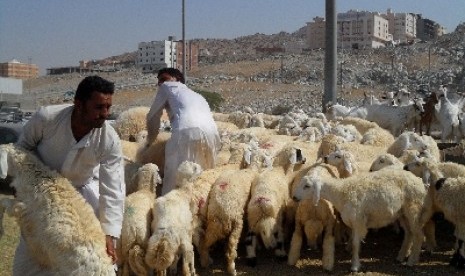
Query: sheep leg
[[296, 245], [5, 205], [280, 251], [231, 252], [136, 260], [212, 235], [328, 252], [430, 235], [407, 241], [251, 247], [188, 260], [358, 234], [416, 231]]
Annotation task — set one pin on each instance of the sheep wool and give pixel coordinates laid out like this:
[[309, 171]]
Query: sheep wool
[[60, 229]]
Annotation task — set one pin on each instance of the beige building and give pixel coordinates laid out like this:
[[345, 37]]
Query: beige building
[[402, 26], [316, 33], [18, 70], [192, 55], [362, 29]]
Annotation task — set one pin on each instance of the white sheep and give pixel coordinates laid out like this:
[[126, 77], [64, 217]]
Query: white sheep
[[69, 242], [130, 122], [226, 203], [172, 226], [386, 160], [344, 161], [269, 196], [407, 141], [313, 221], [155, 152], [446, 195], [135, 231], [372, 200]]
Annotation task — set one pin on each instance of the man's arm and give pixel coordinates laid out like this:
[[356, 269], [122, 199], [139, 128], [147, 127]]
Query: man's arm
[[155, 112]]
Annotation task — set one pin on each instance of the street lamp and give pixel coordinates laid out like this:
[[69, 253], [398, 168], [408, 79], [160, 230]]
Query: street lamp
[[184, 70]]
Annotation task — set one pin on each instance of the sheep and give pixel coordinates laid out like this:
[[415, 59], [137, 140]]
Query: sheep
[[377, 136], [68, 242], [137, 218], [344, 161], [348, 132], [269, 196], [446, 196], [155, 152], [422, 167], [334, 111], [130, 122], [227, 200], [386, 160], [372, 201], [432, 146], [329, 144], [405, 141], [313, 221], [226, 203], [172, 227]]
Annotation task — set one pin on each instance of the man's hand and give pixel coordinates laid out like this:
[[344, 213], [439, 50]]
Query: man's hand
[[111, 244]]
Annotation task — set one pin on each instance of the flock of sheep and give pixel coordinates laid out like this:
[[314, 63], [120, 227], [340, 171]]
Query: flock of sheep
[[279, 180]]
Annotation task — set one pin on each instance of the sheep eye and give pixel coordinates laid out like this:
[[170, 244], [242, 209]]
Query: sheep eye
[[306, 186]]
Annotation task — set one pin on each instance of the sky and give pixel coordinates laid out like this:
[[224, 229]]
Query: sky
[[54, 33]]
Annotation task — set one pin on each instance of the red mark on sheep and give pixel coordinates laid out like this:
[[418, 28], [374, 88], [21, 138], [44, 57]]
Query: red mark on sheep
[[261, 200], [223, 185], [266, 145]]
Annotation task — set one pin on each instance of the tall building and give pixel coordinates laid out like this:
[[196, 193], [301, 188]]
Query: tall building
[[428, 29], [18, 70], [316, 33], [402, 26], [192, 55], [154, 55], [362, 29]]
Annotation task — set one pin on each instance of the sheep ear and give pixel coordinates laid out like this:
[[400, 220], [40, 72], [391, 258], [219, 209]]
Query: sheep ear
[[3, 164], [293, 157], [316, 194], [348, 165], [426, 177], [247, 156]]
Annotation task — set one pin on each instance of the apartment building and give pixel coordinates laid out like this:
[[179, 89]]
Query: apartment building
[[362, 29], [154, 55], [316, 33], [428, 29], [192, 55], [402, 26], [18, 70]]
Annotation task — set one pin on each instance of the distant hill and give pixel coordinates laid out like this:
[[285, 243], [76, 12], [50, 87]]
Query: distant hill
[[220, 50]]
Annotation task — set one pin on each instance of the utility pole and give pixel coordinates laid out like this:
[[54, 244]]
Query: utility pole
[[330, 93], [184, 69]]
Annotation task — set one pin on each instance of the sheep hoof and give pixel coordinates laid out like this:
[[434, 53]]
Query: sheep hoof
[[355, 268], [252, 262]]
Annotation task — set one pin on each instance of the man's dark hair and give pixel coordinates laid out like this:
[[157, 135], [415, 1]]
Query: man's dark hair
[[175, 73], [93, 83]]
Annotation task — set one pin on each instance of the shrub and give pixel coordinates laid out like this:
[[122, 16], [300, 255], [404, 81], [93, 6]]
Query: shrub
[[214, 99]]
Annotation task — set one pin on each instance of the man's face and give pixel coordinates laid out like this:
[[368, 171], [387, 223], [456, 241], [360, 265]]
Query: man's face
[[165, 77], [96, 110]]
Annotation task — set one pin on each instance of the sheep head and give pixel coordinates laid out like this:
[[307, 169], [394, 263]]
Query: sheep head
[[342, 160], [268, 230], [309, 187], [147, 177], [382, 161], [187, 172]]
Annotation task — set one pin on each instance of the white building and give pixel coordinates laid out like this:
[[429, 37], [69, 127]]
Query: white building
[[402, 26], [362, 29], [154, 55]]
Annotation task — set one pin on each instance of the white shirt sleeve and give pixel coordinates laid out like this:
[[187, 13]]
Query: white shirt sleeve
[[112, 190], [155, 112]]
